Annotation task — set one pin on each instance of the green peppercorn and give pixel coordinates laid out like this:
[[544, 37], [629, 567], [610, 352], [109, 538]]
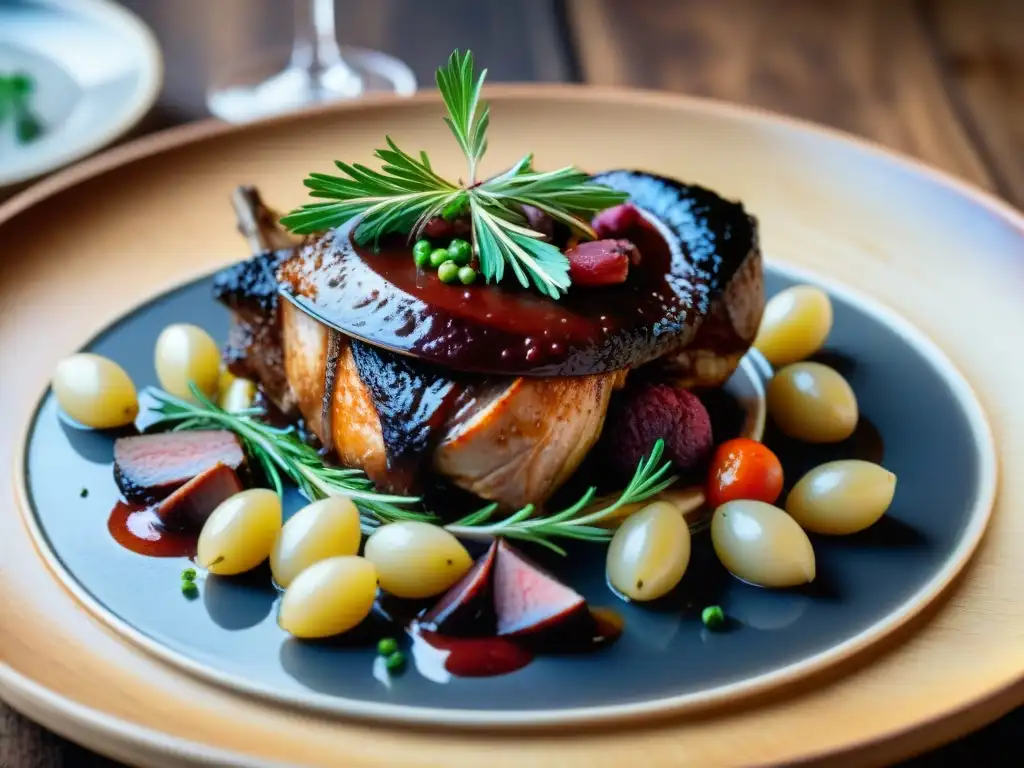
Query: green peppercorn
[[387, 646], [189, 589], [467, 275], [448, 272], [395, 661], [460, 251], [438, 257], [713, 617], [421, 252], [189, 574]]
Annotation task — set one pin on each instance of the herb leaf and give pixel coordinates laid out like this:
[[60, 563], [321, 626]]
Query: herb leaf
[[461, 95], [502, 241], [575, 521], [406, 193], [392, 199], [280, 451]]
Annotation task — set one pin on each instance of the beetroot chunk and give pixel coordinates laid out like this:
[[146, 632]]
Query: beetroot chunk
[[190, 506], [616, 221], [149, 468], [601, 262], [467, 609], [532, 605], [639, 417]]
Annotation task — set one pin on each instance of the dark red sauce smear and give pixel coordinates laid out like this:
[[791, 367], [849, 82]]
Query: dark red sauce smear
[[139, 530], [691, 242], [493, 656], [477, 656]]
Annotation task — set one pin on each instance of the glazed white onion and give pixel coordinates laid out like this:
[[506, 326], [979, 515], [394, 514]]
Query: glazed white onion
[[329, 598], [416, 559], [648, 554], [761, 544], [95, 392], [841, 497], [326, 528], [240, 533]]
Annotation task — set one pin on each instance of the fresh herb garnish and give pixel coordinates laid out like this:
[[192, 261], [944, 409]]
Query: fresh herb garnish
[[282, 454], [573, 522], [406, 193], [15, 95], [280, 451]]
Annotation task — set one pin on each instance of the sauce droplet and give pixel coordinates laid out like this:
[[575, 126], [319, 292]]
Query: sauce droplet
[[439, 657], [139, 530]]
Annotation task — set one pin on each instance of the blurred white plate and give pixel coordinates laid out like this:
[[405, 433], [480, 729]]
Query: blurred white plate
[[96, 69]]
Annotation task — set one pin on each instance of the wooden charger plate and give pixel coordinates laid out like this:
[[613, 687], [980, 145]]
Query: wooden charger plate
[[90, 244]]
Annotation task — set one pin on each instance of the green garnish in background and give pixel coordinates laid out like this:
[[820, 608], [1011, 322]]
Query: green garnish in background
[[15, 97], [406, 193]]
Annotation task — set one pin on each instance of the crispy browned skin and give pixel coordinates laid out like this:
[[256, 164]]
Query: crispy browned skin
[[507, 439], [726, 333], [355, 428], [513, 443]]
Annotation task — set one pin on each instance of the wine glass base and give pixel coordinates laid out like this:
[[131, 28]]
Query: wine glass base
[[256, 93]]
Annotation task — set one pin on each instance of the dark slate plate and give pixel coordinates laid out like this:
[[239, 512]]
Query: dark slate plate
[[932, 441]]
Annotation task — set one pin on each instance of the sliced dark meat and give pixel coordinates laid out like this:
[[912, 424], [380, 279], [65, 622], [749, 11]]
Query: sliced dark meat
[[413, 401], [194, 502], [149, 468], [532, 605], [467, 609]]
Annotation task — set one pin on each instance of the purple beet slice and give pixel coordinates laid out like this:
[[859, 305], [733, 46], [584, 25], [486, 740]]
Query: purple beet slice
[[149, 468], [467, 609], [532, 605], [191, 505]]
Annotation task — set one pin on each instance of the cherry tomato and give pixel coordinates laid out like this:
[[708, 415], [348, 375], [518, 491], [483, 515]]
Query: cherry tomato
[[744, 469]]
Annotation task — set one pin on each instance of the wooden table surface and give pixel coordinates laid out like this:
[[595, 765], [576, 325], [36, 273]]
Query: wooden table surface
[[941, 80]]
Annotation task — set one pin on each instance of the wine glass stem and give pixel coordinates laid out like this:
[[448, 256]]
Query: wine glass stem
[[315, 47]]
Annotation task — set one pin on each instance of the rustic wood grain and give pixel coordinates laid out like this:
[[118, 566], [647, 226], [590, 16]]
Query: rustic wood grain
[[900, 72], [980, 48]]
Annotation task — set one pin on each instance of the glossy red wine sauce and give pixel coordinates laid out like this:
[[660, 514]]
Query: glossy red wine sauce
[[138, 529]]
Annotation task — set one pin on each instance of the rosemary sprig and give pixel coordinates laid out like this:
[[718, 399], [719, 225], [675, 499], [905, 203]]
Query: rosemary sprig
[[571, 523], [406, 193], [282, 453]]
